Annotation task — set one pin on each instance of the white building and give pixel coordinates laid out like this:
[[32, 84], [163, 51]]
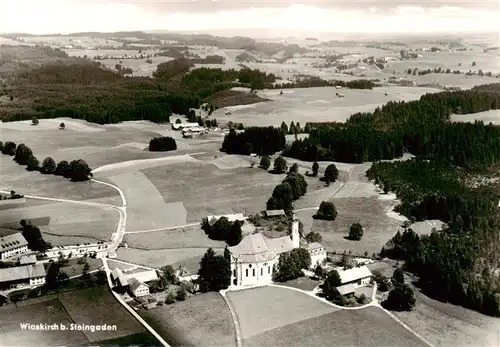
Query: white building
[[11, 245], [27, 259], [179, 126], [317, 253], [255, 258], [353, 278], [184, 274], [22, 276], [138, 288]]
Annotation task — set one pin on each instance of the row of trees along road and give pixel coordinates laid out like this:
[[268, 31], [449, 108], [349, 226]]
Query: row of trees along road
[[77, 170]]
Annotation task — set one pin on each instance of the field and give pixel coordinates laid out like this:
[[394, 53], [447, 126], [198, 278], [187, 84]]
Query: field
[[88, 306], [492, 116], [315, 104], [159, 258], [366, 327], [200, 320], [207, 190], [68, 219], [267, 308], [448, 325], [187, 237]]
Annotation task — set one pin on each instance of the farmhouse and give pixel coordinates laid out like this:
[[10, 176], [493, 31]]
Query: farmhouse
[[275, 213], [184, 274], [353, 278], [11, 245], [124, 279], [317, 253], [181, 126], [254, 259], [193, 131], [230, 217], [27, 259], [138, 288], [22, 276]]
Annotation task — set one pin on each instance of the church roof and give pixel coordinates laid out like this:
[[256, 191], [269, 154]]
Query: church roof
[[257, 248]]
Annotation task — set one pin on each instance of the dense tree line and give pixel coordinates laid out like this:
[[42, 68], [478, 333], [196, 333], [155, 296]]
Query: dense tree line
[[162, 144], [453, 264], [420, 127], [260, 140], [312, 81], [77, 170]]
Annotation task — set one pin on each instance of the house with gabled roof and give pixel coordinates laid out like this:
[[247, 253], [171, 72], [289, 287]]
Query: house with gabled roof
[[12, 245]]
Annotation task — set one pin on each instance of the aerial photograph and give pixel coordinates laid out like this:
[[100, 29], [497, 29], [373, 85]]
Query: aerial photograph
[[225, 173]]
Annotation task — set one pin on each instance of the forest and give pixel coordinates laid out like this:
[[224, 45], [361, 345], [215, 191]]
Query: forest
[[455, 264], [419, 127]]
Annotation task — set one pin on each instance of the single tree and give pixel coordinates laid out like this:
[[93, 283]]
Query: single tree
[[319, 271], [473, 63], [170, 298], [235, 235], [315, 169], [181, 294], [178, 121], [168, 276], [34, 121], [383, 283], [356, 232], [331, 173], [401, 298], [265, 162], [81, 171], [63, 169], [326, 211], [294, 168], [62, 126], [314, 237], [280, 165], [214, 273], [332, 281], [398, 277], [284, 127], [32, 164], [48, 166]]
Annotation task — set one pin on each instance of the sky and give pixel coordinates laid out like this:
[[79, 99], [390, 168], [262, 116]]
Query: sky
[[215, 16]]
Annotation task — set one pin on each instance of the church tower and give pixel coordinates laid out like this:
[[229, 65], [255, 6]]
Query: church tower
[[295, 232]]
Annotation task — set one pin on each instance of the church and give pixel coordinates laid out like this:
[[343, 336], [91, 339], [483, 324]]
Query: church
[[256, 257]]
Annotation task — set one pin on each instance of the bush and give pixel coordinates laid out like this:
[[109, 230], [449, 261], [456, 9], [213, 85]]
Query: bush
[[9, 148], [361, 299], [401, 298], [62, 126], [35, 121], [48, 166], [33, 164], [265, 162], [326, 211], [181, 294], [170, 299]]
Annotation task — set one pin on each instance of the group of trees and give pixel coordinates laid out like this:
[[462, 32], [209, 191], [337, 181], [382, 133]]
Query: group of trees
[[420, 127], [401, 297], [260, 140], [313, 81], [223, 230], [34, 237], [162, 144], [293, 129], [290, 189], [167, 277], [76, 170], [452, 264], [215, 271], [291, 264]]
